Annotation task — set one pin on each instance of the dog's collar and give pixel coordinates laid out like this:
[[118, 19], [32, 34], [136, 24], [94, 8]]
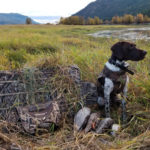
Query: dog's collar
[[121, 64]]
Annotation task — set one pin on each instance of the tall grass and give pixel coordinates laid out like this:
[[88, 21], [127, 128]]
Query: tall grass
[[36, 45]]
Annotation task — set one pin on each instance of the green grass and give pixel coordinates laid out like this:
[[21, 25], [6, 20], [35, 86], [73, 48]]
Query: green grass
[[32, 45]]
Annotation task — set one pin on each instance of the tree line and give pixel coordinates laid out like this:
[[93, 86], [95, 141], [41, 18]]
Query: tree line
[[126, 19], [78, 20]]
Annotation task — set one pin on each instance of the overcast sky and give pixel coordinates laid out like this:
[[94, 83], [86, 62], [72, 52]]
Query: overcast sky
[[43, 7]]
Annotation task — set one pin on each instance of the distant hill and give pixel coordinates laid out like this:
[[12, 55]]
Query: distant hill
[[13, 18], [106, 9]]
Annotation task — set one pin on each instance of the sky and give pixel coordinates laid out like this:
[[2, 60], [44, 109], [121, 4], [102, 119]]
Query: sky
[[62, 8]]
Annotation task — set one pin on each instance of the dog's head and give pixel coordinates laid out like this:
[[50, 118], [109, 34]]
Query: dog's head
[[127, 51]]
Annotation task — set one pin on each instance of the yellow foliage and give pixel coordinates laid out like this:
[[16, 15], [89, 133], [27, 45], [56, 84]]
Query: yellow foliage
[[139, 18], [128, 19]]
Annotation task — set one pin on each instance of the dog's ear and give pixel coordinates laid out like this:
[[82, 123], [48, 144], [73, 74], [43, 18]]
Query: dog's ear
[[117, 50]]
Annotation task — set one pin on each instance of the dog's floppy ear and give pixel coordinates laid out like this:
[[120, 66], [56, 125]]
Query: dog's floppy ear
[[117, 50]]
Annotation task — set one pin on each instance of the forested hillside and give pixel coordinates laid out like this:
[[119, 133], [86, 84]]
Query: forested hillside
[[106, 9]]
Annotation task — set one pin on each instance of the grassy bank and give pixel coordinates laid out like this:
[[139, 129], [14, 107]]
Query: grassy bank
[[33, 45]]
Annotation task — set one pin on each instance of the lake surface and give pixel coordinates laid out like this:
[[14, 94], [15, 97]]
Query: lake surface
[[46, 19], [132, 34]]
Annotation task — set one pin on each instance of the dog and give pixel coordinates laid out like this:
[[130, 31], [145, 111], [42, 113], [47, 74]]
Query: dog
[[113, 79]]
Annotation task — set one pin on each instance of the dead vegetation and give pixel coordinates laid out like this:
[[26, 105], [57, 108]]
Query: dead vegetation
[[37, 85], [32, 86]]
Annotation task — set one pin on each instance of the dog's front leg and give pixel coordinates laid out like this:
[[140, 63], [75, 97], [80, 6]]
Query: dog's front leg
[[125, 90], [108, 88]]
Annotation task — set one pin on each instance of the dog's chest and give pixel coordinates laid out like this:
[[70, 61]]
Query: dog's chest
[[118, 78], [119, 84]]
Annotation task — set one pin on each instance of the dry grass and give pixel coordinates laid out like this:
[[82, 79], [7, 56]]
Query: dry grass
[[48, 46]]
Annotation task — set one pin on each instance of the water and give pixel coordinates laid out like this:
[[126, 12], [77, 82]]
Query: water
[[131, 34], [46, 19]]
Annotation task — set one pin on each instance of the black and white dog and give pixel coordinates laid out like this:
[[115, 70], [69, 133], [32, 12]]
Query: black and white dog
[[114, 79]]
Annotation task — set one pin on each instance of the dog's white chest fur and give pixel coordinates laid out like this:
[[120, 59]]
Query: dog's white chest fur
[[112, 67], [115, 68]]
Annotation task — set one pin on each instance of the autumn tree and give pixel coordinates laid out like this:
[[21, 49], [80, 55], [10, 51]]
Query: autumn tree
[[73, 20], [90, 21], [116, 20], [62, 20], [139, 18], [146, 19], [96, 20], [128, 19], [81, 20]]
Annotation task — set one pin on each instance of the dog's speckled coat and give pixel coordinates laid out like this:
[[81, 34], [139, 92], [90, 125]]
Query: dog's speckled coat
[[113, 80]]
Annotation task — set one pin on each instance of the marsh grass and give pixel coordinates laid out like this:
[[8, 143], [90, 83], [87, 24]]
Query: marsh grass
[[48, 46]]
